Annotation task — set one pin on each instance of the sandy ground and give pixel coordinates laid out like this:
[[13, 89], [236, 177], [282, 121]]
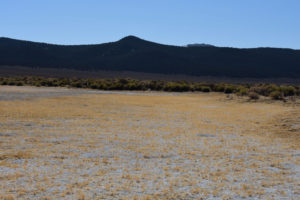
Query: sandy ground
[[12, 93], [58, 143]]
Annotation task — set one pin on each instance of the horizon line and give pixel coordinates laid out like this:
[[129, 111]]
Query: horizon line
[[184, 46]]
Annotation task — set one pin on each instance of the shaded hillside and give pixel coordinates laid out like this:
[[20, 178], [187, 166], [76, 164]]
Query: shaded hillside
[[134, 54]]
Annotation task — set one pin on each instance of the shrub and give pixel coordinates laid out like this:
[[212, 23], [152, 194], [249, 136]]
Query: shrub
[[229, 89], [205, 89], [173, 87], [259, 89], [63, 82], [119, 86], [102, 86], [94, 86], [288, 90], [123, 81], [76, 84], [271, 88], [197, 87], [242, 91], [298, 91], [276, 95], [219, 88], [263, 89], [20, 83], [155, 85], [11, 82], [253, 95], [133, 86]]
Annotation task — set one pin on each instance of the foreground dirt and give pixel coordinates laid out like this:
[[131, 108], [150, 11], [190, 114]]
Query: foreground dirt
[[77, 144]]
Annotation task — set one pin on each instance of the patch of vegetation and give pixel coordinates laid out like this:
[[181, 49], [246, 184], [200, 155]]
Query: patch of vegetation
[[253, 91], [229, 89], [253, 96], [205, 89], [242, 91], [276, 95]]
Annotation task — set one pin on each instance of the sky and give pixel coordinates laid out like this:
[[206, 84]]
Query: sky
[[230, 23]]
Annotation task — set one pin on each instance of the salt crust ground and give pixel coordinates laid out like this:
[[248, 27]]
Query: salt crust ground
[[58, 143]]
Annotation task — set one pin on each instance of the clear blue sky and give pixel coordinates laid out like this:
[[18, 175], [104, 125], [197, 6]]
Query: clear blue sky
[[236, 23]]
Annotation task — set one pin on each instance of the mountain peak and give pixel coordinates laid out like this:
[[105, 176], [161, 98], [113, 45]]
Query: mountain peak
[[134, 41], [130, 38]]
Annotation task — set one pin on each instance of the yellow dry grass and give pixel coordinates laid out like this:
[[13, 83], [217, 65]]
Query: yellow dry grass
[[154, 146]]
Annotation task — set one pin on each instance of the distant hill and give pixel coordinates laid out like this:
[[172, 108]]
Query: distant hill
[[137, 55]]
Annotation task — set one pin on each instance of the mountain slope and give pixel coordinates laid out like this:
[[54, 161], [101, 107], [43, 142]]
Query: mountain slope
[[134, 54]]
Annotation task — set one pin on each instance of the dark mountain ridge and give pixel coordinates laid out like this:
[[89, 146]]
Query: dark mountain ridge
[[137, 55]]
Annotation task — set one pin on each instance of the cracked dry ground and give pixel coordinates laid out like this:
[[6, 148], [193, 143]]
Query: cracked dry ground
[[148, 146]]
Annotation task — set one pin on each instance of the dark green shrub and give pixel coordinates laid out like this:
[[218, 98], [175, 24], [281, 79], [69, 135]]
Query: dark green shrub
[[288, 90], [205, 89], [219, 88], [132, 86], [118, 86], [49, 83], [103, 86], [197, 87], [76, 84], [11, 82], [298, 91], [271, 88], [276, 95], [229, 89], [94, 86], [242, 91], [155, 85], [43, 83], [170, 86], [63, 82], [123, 81]]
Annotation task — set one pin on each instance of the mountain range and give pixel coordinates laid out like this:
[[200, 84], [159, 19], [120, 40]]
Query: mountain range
[[137, 55]]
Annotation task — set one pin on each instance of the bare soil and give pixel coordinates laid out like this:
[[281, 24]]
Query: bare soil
[[59, 143]]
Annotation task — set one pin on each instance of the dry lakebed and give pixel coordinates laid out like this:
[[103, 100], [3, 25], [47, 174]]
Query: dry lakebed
[[60, 143]]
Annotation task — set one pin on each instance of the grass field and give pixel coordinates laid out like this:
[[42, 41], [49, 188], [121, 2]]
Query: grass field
[[58, 143]]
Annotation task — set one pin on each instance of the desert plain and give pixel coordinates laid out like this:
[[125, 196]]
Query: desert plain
[[60, 143]]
